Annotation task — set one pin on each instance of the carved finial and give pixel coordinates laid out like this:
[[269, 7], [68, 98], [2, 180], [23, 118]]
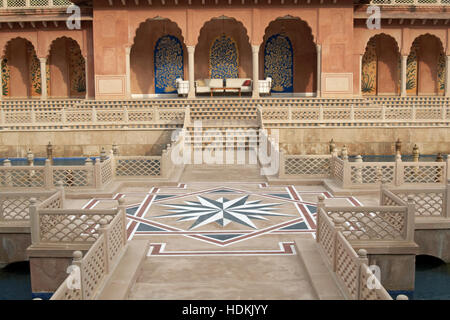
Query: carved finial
[[77, 255], [103, 222], [121, 201], [402, 297], [33, 201], [362, 253]]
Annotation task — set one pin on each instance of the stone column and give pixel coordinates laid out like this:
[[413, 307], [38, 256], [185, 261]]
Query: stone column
[[43, 62], [128, 72], [191, 75], [86, 76], [255, 60], [403, 75], [319, 68], [360, 73], [447, 76], [1, 80]]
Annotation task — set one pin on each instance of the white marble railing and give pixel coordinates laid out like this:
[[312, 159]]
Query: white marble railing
[[351, 268], [411, 2], [99, 261], [14, 206], [430, 202], [48, 176], [34, 4]]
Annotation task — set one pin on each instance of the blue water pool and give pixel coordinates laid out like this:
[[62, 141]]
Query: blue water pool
[[432, 279], [75, 161], [15, 283]]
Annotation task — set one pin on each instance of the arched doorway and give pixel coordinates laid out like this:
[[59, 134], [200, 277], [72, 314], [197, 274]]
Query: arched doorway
[[381, 67], [168, 56], [223, 58], [426, 67], [223, 43], [67, 69], [279, 62], [288, 55], [157, 58], [21, 73]]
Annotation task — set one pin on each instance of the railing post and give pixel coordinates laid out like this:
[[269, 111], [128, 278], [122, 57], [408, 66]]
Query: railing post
[[362, 255], [60, 188], [320, 206], [413, 112], [8, 177], [63, 116], [346, 174], [383, 112], [33, 115], [2, 116], [78, 262], [48, 175], [94, 115], [97, 174], [1, 207], [410, 217], [125, 115], [34, 222], [103, 230], [352, 112], [155, 114], [321, 113], [338, 227], [281, 171], [123, 213], [446, 205], [399, 170]]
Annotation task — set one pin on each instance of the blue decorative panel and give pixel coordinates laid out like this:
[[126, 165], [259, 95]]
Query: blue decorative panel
[[223, 58], [279, 62], [168, 56]]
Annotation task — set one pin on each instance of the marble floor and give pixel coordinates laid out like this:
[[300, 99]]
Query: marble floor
[[232, 239]]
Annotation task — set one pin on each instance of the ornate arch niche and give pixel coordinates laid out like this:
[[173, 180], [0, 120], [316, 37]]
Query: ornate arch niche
[[223, 58], [426, 53], [21, 73], [157, 57], [381, 64], [168, 62], [67, 71], [223, 50], [288, 45], [279, 63]]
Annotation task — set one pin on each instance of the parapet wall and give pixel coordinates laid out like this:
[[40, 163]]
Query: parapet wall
[[365, 141], [71, 143]]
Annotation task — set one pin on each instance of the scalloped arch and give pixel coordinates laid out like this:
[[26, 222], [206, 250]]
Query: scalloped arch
[[157, 18], [5, 48], [247, 38], [441, 45], [303, 22], [380, 35], [49, 49]]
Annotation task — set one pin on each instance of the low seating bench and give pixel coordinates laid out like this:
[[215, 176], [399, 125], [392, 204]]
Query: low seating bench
[[225, 89]]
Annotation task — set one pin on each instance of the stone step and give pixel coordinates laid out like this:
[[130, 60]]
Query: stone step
[[321, 277]]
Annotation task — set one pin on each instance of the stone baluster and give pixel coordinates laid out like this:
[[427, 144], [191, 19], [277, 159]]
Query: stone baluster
[[103, 230], [123, 213], [359, 176], [411, 214], [48, 174], [34, 222], [60, 188], [8, 178], [77, 262]]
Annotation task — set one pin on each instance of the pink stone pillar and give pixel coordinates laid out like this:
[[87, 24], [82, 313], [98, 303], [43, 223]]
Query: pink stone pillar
[[255, 58], [191, 51], [403, 75], [43, 62]]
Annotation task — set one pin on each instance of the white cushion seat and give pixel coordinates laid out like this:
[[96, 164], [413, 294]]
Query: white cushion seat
[[238, 83]]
